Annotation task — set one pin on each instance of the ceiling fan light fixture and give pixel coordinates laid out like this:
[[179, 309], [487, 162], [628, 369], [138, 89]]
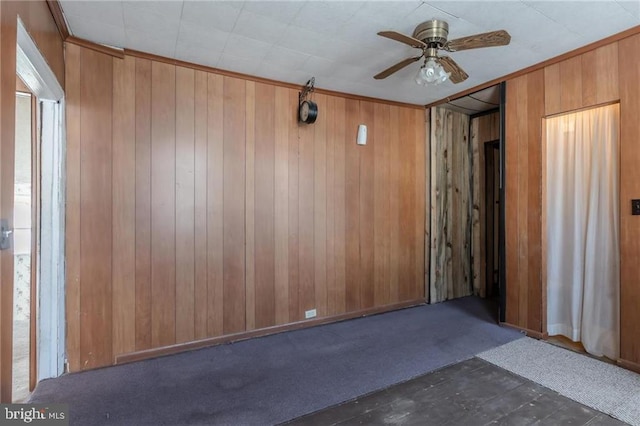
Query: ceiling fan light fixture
[[431, 73]]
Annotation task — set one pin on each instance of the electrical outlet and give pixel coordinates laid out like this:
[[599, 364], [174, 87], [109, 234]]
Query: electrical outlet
[[635, 207], [311, 313]]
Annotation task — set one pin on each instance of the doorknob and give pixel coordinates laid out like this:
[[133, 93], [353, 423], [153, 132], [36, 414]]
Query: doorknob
[[5, 234]]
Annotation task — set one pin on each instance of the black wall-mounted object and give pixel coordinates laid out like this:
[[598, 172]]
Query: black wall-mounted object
[[635, 207], [307, 110]]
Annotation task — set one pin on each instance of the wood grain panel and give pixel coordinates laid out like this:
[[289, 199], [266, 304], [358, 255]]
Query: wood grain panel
[[394, 204], [73, 210], [552, 93], [331, 288], [522, 181], [306, 216], [215, 224], [124, 205], [234, 220], [339, 131], [367, 211], [96, 223], [407, 205], [264, 206], [143, 204], [320, 209], [600, 75], [294, 250], [535, 110], [512, 144], [450, 211], [250, 132], [571, 84], [200, 205], [420, 139], [185, 204], [629, 66], [606, 65], [283, 116], [352, 207], [163, 199], [382, 207]]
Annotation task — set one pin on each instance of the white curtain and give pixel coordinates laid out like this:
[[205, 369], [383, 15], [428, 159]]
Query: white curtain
[[583, 260]]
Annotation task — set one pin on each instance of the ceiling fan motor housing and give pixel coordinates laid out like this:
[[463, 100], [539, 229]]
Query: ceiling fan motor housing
[[433, 31]]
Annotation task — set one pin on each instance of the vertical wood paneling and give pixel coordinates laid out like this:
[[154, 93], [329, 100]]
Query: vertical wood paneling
[[535, 108], [339, 193], [215, 224], [367, 212], [330, 112], [600, 75], [185, 204], [571, 84], [552, 93], [143, 204], [264, 206], [250, 298], [407, 218], [234, 220], [394, 204], [629, 66], [283, 115], [382, 208], [352, 207], [450, 213], [420, 208], [512, 145], [306, 216], [293, 247], [163, 202], [200, 205], [221, 213], [124, 205], [73, 209], [522, 205], [320, 209], [96, 224]]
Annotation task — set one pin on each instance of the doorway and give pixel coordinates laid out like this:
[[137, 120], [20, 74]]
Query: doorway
[[24, 243], [491, 206]]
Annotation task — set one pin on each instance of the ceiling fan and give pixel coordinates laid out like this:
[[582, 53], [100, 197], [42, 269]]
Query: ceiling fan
[[430, 37]]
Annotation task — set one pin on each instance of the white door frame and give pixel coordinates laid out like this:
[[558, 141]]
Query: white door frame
[[50, 316]]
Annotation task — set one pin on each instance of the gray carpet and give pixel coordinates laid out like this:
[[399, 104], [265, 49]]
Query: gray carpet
[[273, 379], [596, 384]]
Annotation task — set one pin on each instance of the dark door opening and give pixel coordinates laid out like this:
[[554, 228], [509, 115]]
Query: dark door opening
[[492, 218]]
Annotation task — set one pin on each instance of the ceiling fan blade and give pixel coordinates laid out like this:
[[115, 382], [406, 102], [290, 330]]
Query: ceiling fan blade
[[457, 74], [393, 35], [397, 67], [493, 38]]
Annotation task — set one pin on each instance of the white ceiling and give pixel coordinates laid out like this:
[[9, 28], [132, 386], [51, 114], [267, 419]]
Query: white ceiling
[[336, 41]]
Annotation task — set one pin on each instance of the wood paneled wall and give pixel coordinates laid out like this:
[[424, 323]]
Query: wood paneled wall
[[198, 207], [40, 24], [450, 236], [606, 74], [485, 128]]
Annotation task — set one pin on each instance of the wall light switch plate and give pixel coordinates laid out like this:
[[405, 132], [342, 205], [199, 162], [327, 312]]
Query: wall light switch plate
[[635, 207], [311, 313]]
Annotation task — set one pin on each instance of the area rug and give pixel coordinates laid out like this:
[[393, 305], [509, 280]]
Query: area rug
[[596, 384]]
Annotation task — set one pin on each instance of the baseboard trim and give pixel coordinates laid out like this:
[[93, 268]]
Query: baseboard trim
[[213, 341], [527, 332], [629, 365]]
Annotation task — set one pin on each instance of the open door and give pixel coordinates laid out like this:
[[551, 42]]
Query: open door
[[48, 331]]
